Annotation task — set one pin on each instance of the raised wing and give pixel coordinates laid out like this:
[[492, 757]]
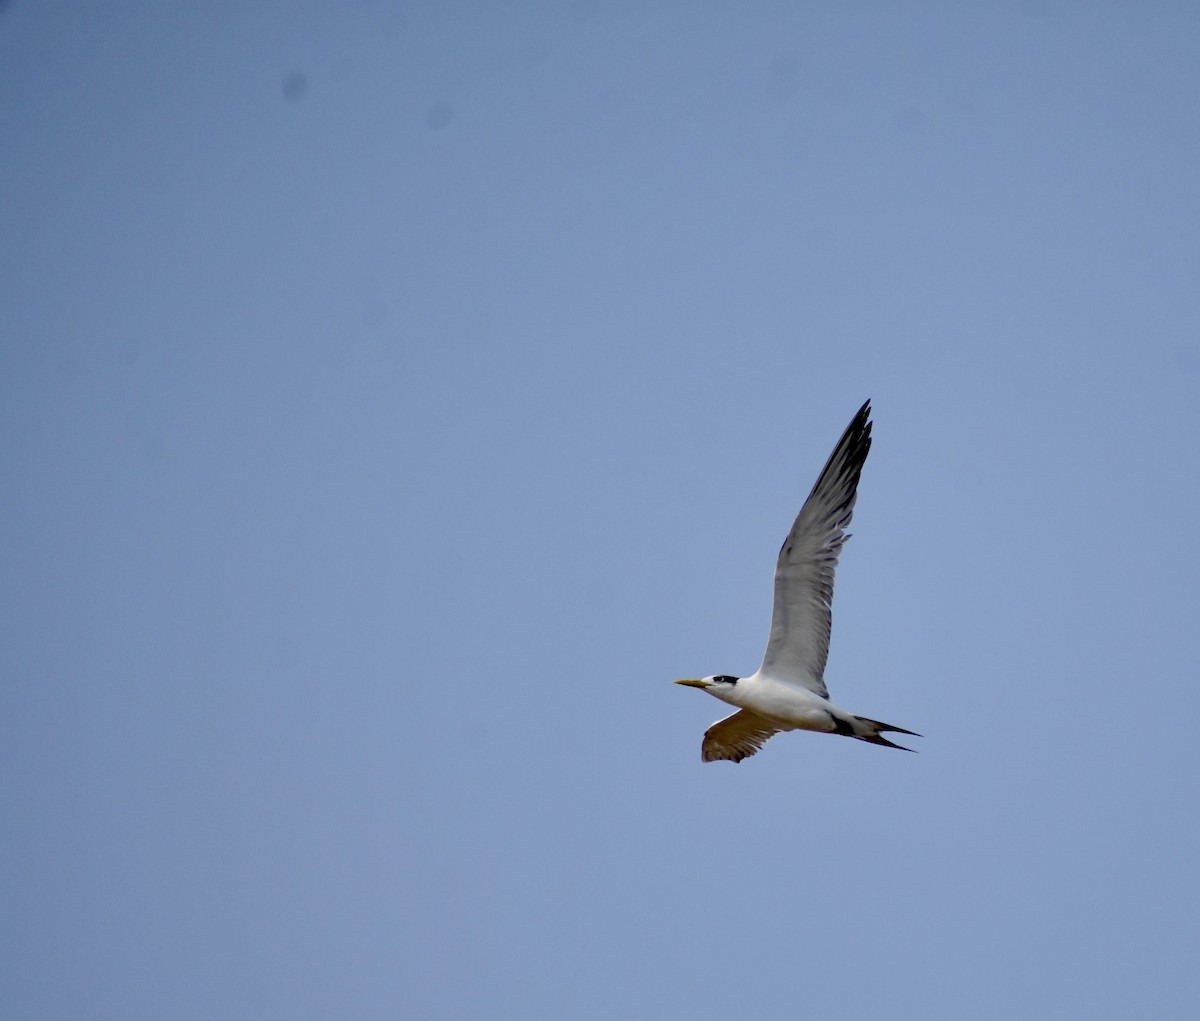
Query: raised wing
[[799, 642], [736, 737]]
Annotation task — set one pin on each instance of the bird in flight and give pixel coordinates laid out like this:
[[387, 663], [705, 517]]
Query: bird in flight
[[788, 692]]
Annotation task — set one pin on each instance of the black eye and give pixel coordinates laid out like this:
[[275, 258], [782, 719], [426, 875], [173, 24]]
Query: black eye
[[725, 679]]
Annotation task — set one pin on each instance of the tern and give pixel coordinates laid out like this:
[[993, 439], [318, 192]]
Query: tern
[[788, 692]]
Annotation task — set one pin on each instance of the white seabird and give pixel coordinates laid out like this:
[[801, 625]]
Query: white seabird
[[788, 692]]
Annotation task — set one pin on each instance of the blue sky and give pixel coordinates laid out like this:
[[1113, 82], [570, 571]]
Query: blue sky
[[394, 399]]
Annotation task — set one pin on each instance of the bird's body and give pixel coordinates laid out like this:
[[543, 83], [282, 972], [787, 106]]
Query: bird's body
[[788, 691], [782, 703]]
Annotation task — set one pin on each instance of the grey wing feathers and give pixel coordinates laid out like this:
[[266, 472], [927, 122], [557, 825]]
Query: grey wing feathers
[[799, 642], [736, 737]]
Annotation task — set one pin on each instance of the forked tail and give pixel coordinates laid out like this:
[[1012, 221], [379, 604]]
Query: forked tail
[[872, 732]]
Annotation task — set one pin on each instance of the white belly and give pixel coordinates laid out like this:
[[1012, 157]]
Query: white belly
[[788, 704]]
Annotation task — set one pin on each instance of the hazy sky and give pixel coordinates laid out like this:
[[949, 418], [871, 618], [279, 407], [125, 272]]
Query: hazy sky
[[395, 398]]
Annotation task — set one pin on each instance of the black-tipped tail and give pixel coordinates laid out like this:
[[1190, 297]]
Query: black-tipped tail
[[872, 732]]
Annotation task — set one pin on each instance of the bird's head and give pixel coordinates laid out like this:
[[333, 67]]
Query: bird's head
[[721, 686]]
